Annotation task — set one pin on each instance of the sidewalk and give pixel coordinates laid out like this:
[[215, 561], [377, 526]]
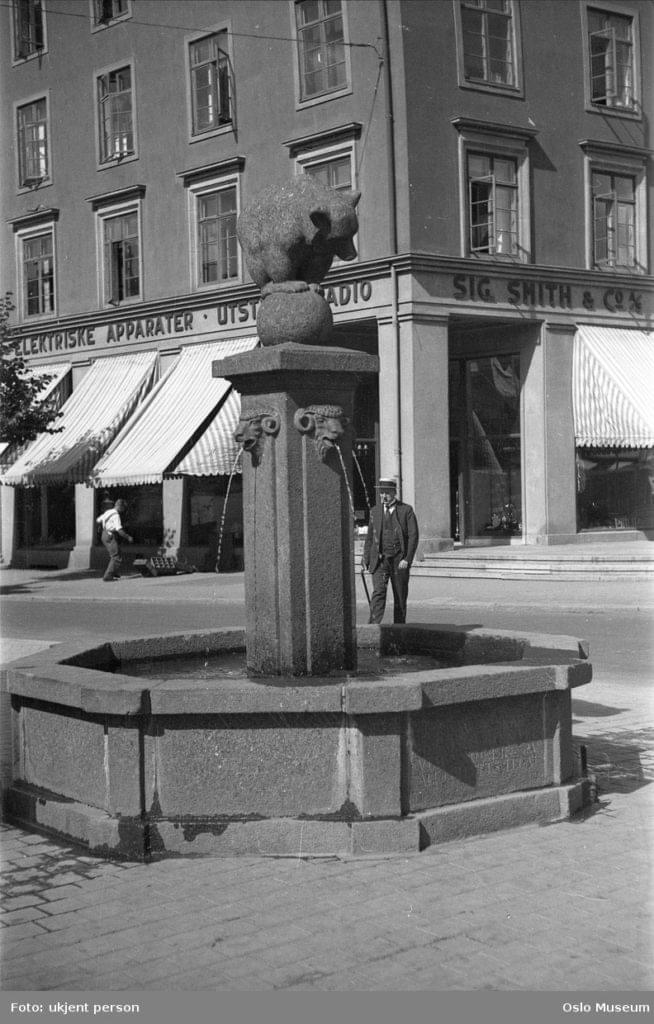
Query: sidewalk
[[564, 907]]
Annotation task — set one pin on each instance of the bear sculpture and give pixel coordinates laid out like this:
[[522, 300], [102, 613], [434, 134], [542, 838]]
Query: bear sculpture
[[291, 233]]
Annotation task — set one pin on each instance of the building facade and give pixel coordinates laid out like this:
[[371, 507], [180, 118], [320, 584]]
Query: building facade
[[503, 275]]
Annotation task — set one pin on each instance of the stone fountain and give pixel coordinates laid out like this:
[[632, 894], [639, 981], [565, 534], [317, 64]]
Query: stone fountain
[[300, 735]]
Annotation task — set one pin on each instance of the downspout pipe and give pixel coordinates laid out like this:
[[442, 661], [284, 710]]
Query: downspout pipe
[[393, 233]]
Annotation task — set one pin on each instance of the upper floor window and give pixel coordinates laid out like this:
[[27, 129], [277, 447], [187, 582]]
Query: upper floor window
[[106, 11], [122, 262], [614, 220], [37, 272], [611, 49], [29, 28], [116, 115], [322, 58], [616, 211], [493, 204], [32, 128], [494, 175], [210, 83], [488, 42], [335, 172], [216, 236]]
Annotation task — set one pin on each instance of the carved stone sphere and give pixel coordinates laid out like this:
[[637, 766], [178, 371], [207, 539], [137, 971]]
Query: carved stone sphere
[[301, 317]]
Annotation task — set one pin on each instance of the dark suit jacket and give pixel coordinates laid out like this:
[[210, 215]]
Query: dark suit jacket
[[406, 528]]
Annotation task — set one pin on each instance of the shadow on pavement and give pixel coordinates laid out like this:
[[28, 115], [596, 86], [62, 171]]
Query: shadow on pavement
[[587, 709], [36, 582], [616, 760]]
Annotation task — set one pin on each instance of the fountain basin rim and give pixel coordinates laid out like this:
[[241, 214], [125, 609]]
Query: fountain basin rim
[[65, 675]]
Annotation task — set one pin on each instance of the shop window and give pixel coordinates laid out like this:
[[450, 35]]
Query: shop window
[[116, 115], [488, 43], [494, 169], [29, 28], [105, 12], [612, 50], [615, 488], [38, 273], [45, 516], [215, 520], [121, 256], [143, 518], [32, 131], [211, 84], [321, 42]]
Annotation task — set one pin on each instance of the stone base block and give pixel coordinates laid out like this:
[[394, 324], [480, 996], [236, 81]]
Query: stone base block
[[133, 839], [500, 812]]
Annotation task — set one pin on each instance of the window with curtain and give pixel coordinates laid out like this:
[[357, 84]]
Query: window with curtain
[[611, 51], [122, 272], [492, 204], [488, 41], [38, 274], [211, 100], [116, 115], [321, 47], [33, 143], [29, 34], [614, 219], [217, 244]]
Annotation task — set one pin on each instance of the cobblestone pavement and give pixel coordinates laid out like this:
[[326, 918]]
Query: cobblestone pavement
[[554, 908]]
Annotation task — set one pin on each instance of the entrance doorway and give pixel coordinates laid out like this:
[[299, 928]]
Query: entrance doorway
[[485, 449]]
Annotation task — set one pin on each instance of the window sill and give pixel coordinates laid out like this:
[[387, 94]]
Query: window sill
[[514, 91], [223, 129], [105, 165], [324, 97], [631, 115]]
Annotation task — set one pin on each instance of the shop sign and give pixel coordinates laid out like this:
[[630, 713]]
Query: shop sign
[[541, 293], [176, 325]]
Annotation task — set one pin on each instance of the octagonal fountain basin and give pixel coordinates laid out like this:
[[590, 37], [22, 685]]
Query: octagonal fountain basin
[[442, 733]]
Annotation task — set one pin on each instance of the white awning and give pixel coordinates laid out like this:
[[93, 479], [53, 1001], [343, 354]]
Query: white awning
[[9, 453], [612, 388], [90, 419], [216, 452], [174, 415]]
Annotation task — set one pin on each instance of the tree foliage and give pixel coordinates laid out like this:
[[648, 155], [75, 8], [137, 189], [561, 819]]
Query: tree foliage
[[24, 414]]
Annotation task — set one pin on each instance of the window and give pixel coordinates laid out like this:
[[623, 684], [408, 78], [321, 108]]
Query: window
[[38, 274], [210, 84], [29, 28], [494, 179], [614, 220], [611, 55], [488, 45], [32, 128], [321, 47], [616, 206], [106, 11], [216, 240], [115, 115], [493, 204], [122, 264], [335, 172]]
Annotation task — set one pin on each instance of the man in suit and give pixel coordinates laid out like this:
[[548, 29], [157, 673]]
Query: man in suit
[[389, 550]]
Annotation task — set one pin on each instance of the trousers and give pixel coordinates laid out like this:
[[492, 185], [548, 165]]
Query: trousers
[[399, 578], [113, 547]]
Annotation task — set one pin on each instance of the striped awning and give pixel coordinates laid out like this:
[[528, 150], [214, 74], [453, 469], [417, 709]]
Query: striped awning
[[612, 388], [98, 407], [216, 452], [54, 389], [172, 419]]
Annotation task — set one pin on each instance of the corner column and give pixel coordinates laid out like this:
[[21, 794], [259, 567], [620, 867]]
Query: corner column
[[80, 556], [173, 515], [549, 438], [424, 371], [8, 510]]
